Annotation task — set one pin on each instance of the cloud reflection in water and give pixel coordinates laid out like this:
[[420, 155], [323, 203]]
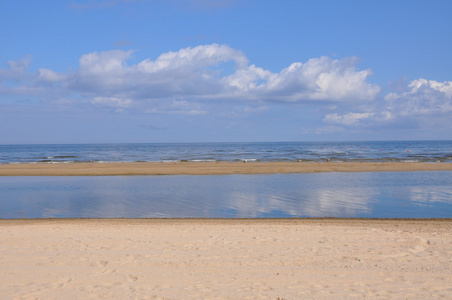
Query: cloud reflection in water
[[380, 194], [315, 195]]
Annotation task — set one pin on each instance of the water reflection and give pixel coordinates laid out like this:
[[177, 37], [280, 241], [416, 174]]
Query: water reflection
[[316, 195], [391, 195]]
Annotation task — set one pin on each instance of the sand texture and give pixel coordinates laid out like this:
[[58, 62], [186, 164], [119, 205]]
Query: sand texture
[[225, 259], [208, 168]]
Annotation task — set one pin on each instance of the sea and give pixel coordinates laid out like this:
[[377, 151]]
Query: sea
[[374, 151], [420, 194]]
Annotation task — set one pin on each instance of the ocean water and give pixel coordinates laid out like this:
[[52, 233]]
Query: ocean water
[[352, 195], [367, 195], [377, 151]]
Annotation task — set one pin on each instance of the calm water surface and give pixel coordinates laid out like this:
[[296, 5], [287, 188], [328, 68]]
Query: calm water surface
[[368, 195]]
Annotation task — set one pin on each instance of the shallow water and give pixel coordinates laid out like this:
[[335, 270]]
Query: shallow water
[[367, 194]]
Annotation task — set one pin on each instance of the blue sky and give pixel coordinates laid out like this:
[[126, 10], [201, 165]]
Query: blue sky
[[224, 70]]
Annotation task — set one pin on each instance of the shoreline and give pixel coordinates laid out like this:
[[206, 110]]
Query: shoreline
[[295, 220], [244, 222], [210, 168], [225, 259]]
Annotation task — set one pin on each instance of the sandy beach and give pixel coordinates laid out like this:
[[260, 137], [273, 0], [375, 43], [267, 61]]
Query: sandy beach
[[208, 168], [225, 259]]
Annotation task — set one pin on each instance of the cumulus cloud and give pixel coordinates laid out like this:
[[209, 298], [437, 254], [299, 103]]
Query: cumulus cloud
[[420, 103], [194, 80], [421, 97], [321, 79], [101, 74], [202, 73], [197, 73], [197, 57]]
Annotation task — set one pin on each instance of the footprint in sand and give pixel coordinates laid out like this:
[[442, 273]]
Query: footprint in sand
[[417, 249], [102, 263], [62, 282]]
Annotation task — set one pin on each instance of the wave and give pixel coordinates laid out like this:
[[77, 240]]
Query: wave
[[197, 160], [421, 151], [59, 157]]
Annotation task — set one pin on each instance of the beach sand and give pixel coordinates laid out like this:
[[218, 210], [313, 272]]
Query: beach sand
[[225, 259], [209, 168]]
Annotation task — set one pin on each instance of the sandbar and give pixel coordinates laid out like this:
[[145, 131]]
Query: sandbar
[[225, 259], [209, 168]]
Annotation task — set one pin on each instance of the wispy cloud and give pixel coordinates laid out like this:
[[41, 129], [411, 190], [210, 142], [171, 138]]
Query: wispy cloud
[[122, 43], [16, 69], [347, 119]]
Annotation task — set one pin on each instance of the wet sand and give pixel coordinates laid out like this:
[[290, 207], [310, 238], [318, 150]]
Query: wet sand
[[225, 259], [208, 168]]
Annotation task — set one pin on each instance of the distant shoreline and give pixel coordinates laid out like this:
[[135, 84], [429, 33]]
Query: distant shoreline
[[210, 168]]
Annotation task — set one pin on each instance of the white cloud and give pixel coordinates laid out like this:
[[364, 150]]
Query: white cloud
[[421, 97], [101, 74], [111, 102], [321, 79], [49, 75], [198, 74], [20, 65], [420, 104], [103, 62], [180, 107], [444, 87], [218, 79], [191, 59], [16, 70], [347, 119], [247, 79]]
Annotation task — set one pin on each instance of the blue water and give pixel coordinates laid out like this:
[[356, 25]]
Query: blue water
[[369, 195], [363, 195], [378, 151]]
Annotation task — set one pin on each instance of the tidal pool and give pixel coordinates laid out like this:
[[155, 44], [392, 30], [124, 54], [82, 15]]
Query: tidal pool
[[351, 195]]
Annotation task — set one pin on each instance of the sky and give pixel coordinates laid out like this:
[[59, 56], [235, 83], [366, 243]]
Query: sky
[[150, 71]]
